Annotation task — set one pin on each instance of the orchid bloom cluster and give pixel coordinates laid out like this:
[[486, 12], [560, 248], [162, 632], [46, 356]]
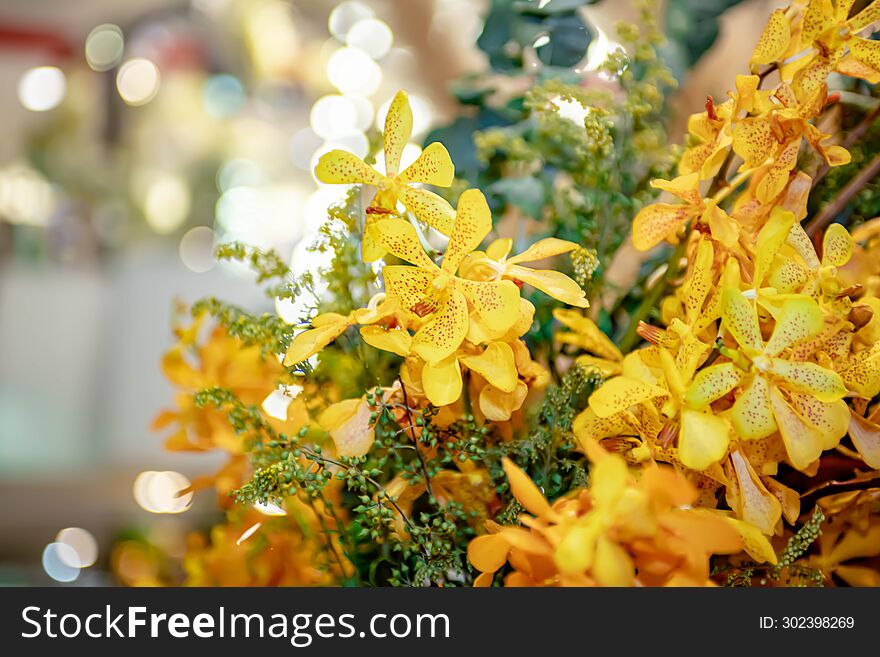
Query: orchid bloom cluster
[[767, 355], [465, 313]]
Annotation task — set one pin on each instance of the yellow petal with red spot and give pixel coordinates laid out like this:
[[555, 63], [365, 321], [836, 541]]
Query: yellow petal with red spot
[[398, 129], [797, 318], [433, 167], [771, 238], [697, 286], [442, 381], [552, 283], [441, 336], [497, 302], [712, 383], [866, 51], [830, 418], [777, 175], [686, 187], [774, 40], [473, 221], [852, 67], [589, 426], [545, 248], [837, 246], [803, 442], [496, 365], [525, 491], [657, 222], [428, 207], [809, 378], [488, 553], [342, 167], [407, 285], [620, 393], [703, 439], [397, 341], [752, 414], [818, 17], [753, 141], [399, 237], [739, 318]]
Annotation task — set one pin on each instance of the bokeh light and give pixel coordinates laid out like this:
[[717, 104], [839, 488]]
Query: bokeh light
[[42, 88], [166, 203], [302, 147], [104, 47], [223, 96], [372, 36], [240, 172], [138, 81], [26, 197], [57, 558], [351, 70], [159, 492], [83, 545], [333, 116], [197, 249], [345, 16], [247, 533]]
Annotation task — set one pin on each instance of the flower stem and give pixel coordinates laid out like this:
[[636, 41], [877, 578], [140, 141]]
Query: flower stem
[[827, 214]]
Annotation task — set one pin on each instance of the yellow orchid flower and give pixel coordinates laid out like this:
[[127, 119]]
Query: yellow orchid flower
[[703, 437], [661, 221], [618, 532], [801, 400], [433, 167], [326, 327], [828, 30], [436, 293], [497, 263], [442, 381]]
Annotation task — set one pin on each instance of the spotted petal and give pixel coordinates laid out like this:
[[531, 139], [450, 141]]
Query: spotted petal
[[496, 302], [441, 336], [751, 500], [409, 285], [657, 222], [797, 318], [545, 248], [398, 236], [739, 317], [342, 167], [473, 221], [752, 414], [398, 129], [803, 442], [433, 167], [620, 393], [553, 283], [712, 383], [429, 208], [774, 40], [837, 246], [809, 378]]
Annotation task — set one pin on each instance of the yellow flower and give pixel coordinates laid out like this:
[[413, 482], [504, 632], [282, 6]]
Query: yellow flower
[[603, 356], [618, 532], [801, 400], [661, 221], [433, 167], [497, 264], [436, 293]]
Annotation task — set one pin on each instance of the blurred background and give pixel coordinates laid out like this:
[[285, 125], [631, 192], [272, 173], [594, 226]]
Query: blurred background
[[137, 136]]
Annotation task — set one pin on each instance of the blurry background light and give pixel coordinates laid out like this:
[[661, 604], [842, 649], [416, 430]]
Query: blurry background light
[[239, 172], [26, 197], [351, 70], [137, 81], [302, 147], [354, 142], [347, 15], [333, 116], [42, 88], [166, 203], [83, 545], [57, 558], [372, 36], [158, 492], [104, 47], [223, 96], [197, 249]]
